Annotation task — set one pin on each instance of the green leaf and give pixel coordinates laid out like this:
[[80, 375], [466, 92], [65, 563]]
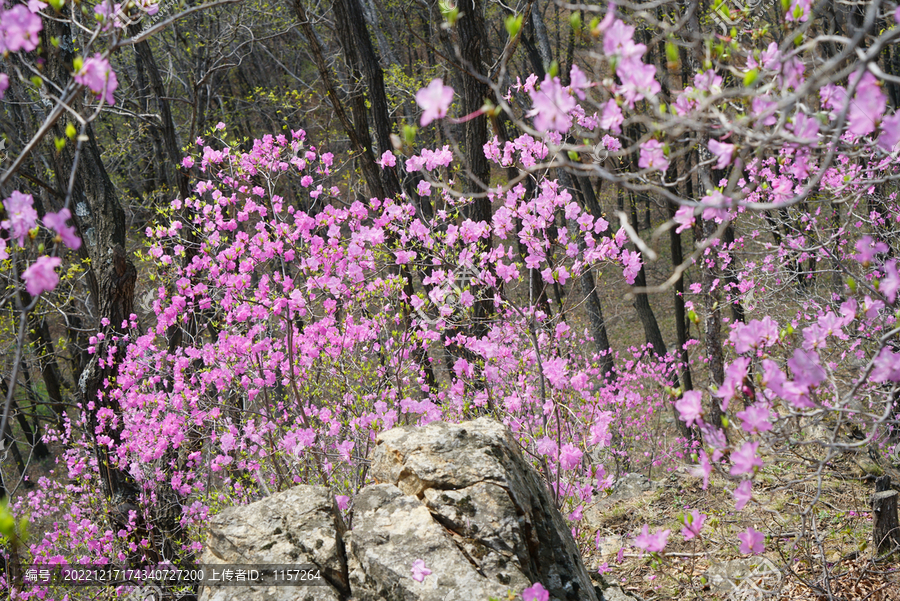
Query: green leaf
[[513, 25], [60, 143], [573, 155], [70, 131], [672, 53], [750, 77], [449, 12], [575, 22], [554, 69], [57, 4], [409, 133]]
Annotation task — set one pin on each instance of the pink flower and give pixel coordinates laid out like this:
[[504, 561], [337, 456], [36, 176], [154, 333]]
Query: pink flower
[[612, 117], [435, 100], [742, 494], [638, 81], [547, 446], [867, 248], [867, 107], [752, 541], [717, 206], [632, 263], [703, 469], [99, 77], [36, 5], [744, 460], [755, 418], [536, 592], [424, 188], [806, 368], [886, 367], [890, 283], [578, 81], [387, 159], [19, 29], [654, 543], [693, 524], [723, 151], [689, 407], [764, 109], [653, 156], [419, 571], [684, 217], [708, 81], [570, 457], [343, 502], [805, 128], [799, 11], [890, 128], [619, 39], [22, 216], [551, 106], [41, 276], [610, 143], [187, 162], [57, 222]]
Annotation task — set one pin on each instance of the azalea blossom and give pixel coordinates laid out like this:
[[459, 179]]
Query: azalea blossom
[[752, 541], [693, 523], [653, 156], [536, 592], [98, 76], [654, 543], [689, 407], [22, 216], [867, 107], [742, 494], [435, 100], [551, 106], [419, 571], [723, 151], [41, 276], [57, 222], [19, 29], [744, 460]]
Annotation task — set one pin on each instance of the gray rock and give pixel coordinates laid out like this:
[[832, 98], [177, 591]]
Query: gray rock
[[476, 483], [751, 578], [630, 486], [390, 532], [460, 498], [298, 526]]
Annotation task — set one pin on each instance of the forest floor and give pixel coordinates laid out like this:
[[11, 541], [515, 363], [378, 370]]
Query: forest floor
[[818, 537]]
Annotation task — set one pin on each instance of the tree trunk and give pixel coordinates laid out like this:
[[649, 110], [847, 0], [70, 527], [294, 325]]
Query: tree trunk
[[101, 222], [363, 147], [361, 56], [166, 128], [589, 287], [886, 529]]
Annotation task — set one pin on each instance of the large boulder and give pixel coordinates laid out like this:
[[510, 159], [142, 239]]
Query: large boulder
[[457, 499], [300, 526], [477, 484]]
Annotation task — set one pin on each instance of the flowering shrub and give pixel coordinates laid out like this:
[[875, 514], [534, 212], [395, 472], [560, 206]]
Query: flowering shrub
[[293, 322]]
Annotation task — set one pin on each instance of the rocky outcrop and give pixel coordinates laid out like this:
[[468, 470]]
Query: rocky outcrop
[[458, 499]]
